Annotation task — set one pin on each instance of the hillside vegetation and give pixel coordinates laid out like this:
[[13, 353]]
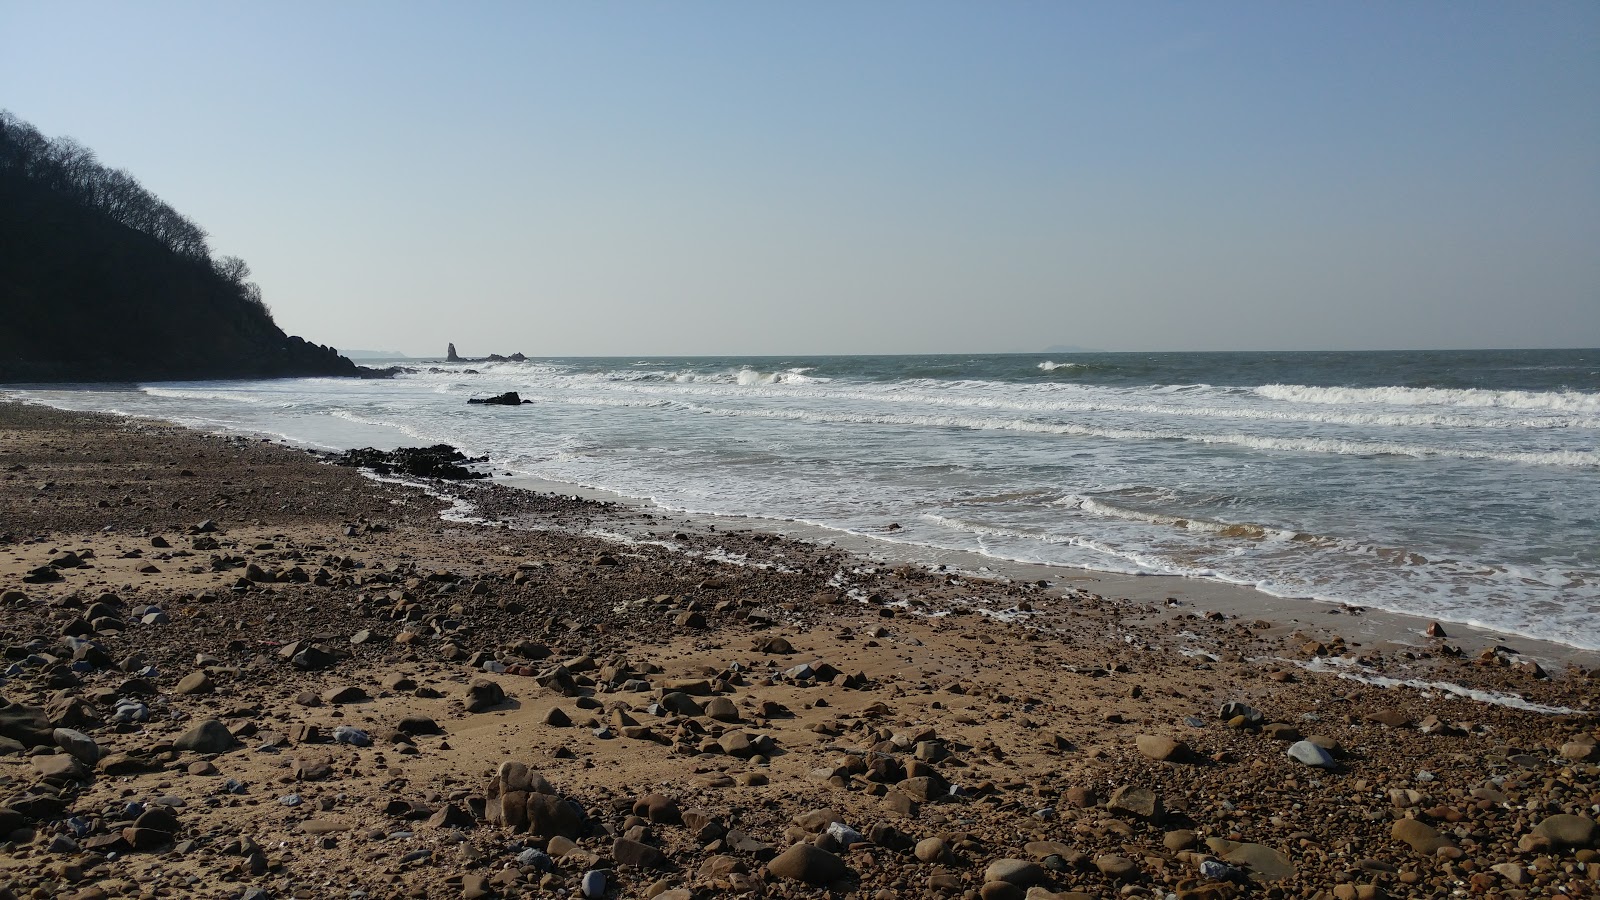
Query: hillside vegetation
[[102, 281]]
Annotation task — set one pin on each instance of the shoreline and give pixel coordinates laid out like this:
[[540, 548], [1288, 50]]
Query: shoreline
[[1377, 623], [700, 706], [1191, 593]]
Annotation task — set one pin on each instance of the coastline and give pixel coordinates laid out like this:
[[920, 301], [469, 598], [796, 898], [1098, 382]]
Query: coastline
[[1091, 699]]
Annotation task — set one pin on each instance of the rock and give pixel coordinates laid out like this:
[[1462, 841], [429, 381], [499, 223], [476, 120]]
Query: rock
[[1161, 747], [451, 816], [1020, 872], [1136, 800], [1568, 831], [1262, 863], [1310, 754], [775, 646], [933, 850], [509, 398], [659, 809], [1252, 717], [924, 788], [80, 745], [475, 887], [1001, 890], [484, 694], [415, 725], [1392, 718], [347, 734], [28, 725], [313, 658], [722, 709], [557, 718], [1118, 867], [195, 683], [808, 863], [347, 694], [1579, 751], [58, 767], [737, 743], [1422, 837], [209, 736], [550, 816], [594, 881], [634, 853]]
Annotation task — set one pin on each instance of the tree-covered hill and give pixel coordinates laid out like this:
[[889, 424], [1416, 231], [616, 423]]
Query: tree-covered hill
[[102, 281]]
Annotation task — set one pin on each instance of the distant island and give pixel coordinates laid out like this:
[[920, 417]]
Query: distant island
[[102, 281]]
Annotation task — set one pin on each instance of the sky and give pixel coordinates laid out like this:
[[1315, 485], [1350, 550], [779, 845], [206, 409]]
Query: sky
[[715, 178]]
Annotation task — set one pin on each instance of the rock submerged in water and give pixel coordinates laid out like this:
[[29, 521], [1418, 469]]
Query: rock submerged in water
[[509, 398]]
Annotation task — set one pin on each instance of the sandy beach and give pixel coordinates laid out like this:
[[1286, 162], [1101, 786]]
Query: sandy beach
[[236, 670]]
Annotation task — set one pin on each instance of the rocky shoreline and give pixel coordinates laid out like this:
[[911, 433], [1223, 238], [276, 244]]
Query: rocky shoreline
[[234, 670]]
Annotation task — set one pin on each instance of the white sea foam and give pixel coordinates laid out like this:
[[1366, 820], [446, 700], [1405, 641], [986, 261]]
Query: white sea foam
[[1573, 458], [1496, 698], [1563, 401], [1049, 366]]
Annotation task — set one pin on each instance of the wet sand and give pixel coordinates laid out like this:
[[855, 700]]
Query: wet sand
[[285, 678]]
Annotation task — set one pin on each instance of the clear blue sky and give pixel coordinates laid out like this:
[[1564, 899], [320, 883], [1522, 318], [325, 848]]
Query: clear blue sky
[[655, 178]]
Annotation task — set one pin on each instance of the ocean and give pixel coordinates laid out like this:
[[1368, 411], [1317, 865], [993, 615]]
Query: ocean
[[1457, 485]]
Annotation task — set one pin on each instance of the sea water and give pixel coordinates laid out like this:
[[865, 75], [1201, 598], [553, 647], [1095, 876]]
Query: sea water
[[1461, 485]]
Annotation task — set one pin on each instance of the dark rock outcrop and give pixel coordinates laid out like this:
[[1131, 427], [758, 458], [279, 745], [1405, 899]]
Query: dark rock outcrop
[[509, 398], [438, 461]]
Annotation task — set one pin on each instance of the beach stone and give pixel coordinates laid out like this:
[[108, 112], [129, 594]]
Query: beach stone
[[808, 863], [1580, 750], [557, 718], [933, 850], [415, 725], [1422, 837], [1115, 866], [635, 853], [659, 809], [1161, 747], [209, 736], [484, 694], [924, 787], [593, 883], [1020, 872], [58, 767], [29, 725], [346, 694], [1251, 716], [1310, 754], [1136, 800], [1001, 890], [79, 745], [1261, 862], [195, 683], [722, 709], [1564, 831], [550, 816], [737, 743]]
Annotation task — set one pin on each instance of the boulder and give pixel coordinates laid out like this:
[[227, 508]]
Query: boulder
[[808, 863], [209, 736], [484, 694]]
